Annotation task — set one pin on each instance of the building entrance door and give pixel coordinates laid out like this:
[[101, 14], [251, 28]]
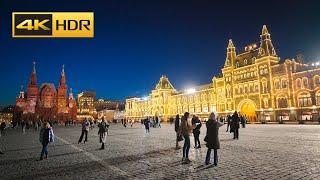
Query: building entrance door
[[248, 109]]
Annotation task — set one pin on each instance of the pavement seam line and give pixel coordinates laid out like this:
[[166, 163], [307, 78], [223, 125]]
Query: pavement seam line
[[94, 158]]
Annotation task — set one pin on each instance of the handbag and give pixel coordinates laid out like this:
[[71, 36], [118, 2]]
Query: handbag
[[180, 138], [206, 138]]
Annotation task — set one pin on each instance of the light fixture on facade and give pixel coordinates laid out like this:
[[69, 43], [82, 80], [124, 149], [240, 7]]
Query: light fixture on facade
[[190, 91], [145, 98]]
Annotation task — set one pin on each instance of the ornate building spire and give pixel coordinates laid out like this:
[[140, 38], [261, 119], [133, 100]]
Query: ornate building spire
[[62, 77], [231, 54], [71, 94], [33, 78], [266, 46]]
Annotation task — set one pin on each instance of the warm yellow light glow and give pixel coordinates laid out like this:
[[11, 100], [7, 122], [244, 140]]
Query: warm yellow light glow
[[190, 91]]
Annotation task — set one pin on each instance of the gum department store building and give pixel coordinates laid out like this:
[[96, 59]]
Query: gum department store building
[[254, 83]]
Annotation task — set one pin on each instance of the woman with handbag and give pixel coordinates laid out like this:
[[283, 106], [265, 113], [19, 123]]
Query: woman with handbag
[[212, 138]]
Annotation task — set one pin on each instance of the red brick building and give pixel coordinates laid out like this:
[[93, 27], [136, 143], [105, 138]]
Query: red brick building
[[45, 102]]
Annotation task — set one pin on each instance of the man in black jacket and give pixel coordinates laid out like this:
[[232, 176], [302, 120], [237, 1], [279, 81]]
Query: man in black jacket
[[196, 131], [236, 125]]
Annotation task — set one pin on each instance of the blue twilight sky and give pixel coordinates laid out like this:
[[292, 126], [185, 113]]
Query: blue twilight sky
[[136, 41]]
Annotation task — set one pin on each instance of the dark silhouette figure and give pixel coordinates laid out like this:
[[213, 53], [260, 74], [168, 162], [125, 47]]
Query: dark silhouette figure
[[196, 131], [235, 125], [212, 138]]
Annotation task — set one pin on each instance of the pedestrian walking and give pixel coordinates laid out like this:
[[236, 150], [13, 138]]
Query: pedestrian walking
[[103, 129], [131, 123], [228, 122], [147, 125], [196, 131], [212, 138], [85, 130], [185, 130], [46, 137], [235, 125], [2, 128], [176, 128]]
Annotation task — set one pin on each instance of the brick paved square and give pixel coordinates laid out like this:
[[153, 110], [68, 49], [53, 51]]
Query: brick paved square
[[262, 152]]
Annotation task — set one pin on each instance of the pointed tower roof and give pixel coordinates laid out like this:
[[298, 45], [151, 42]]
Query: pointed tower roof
[[164, 83], [231, 54], [264, 30], [34, 67], [266, 46], [33, 78], [62, 77], [230, 44], [71, 94]]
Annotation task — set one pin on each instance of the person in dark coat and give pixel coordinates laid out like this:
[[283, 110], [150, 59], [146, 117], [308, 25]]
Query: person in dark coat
[[103, 129], [176, 129], [147, 125], [212, 138], [236, 125], [196, 131], [46, 137]]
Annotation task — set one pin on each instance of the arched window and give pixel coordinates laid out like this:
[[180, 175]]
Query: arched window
[[277, 84], [304, 99], [283, 83], [318, 98], [253, 60], [237, 64], [298, 83], [265, 103], [316, 80], [264, 87], [282, 102], [245, 62], [305, 82]]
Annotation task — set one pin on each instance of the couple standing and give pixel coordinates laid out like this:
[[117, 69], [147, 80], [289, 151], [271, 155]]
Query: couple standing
[[212, 137]]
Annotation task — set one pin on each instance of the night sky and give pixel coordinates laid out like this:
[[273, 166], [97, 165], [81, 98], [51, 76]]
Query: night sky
[[137, 41]]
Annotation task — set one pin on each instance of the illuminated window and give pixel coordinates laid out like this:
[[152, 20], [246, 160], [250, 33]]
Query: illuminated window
[[265, 103], [283, 83], [305, 82], [277, 84], [318, 98], [282, 102], [253, 60], [237, 64], [298, 83], [304, 100], [316, 80], [245, 62]]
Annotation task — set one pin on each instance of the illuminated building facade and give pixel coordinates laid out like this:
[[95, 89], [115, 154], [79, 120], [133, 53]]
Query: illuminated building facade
[[86, 104], [254, 82], [45, 102]]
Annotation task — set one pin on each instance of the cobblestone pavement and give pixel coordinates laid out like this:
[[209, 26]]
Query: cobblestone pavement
[[262, 152]]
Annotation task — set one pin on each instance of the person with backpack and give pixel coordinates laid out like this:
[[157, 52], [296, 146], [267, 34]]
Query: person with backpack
[[46, 137], [85, 130], [103, 129]]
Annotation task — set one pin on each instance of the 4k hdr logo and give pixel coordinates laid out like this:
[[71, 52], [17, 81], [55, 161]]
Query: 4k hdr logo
[[52, 24]]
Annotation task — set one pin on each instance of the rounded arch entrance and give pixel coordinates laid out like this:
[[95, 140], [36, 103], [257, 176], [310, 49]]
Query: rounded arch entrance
[[248, 108]]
